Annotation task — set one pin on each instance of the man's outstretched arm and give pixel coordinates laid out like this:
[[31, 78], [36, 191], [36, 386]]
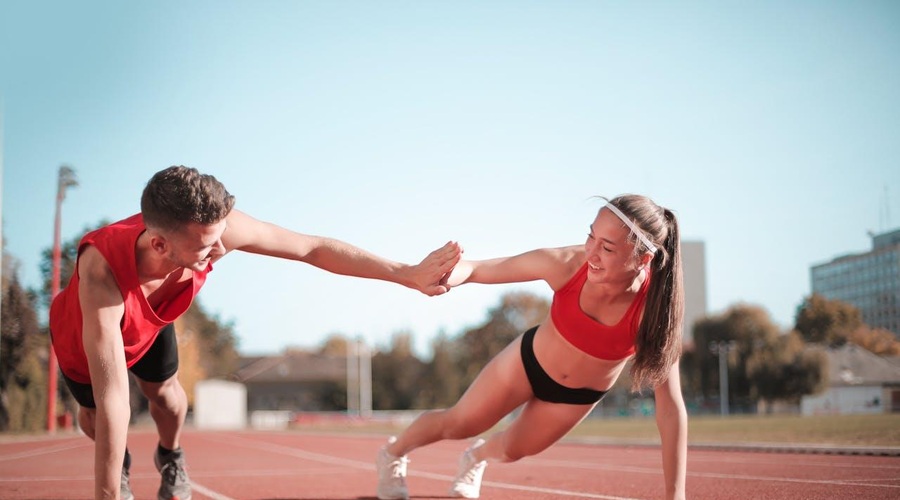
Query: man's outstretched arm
[[250, 235]]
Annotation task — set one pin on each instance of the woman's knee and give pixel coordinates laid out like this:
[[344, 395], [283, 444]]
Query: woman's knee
[[459, 426], [512, 452]]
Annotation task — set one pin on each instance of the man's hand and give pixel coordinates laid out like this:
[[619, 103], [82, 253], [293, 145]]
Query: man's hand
[[430, 275]]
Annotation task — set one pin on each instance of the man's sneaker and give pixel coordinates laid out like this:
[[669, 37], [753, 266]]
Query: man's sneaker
[[468, 480], [125, 485], [175, 484], [391, 474]]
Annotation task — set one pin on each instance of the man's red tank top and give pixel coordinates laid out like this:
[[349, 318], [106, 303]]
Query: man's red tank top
[[140, 323], [584, 332]]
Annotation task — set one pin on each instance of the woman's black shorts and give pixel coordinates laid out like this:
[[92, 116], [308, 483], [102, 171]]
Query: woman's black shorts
[[158, 364], [547, 389]]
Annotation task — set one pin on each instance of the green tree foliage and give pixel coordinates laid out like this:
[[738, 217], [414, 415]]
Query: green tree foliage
[[877, 340], [334, 345], [786, 370], [443, 381], [825, 321], [397, 375], [67, 257], [762, 363], [402, 381], [23, 378], [743, 329], [517, 312], [217, 341]]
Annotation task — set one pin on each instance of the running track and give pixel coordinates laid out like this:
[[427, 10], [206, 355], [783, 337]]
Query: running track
[[304, 466]]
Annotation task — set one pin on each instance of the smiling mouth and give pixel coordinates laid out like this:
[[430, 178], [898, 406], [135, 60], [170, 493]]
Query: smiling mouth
[[593, 267]]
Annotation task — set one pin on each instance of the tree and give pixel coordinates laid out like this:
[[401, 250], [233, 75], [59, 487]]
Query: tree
[[786, 370], [397, 375], [517, 312], [334, 345], [23, 398], [68, 257], [877, 340], [744, 328], [442, 382], [762, 362], [830, 322]]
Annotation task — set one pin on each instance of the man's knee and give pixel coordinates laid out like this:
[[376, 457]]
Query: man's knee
[[166, 393], [86, 419]]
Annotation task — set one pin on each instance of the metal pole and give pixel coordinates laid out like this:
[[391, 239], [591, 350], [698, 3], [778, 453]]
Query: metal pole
[[365, 380], [723, 377], [66, 179], [352, 378], [1, 215]]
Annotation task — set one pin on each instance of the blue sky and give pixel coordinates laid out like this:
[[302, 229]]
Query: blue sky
[[771, 128]]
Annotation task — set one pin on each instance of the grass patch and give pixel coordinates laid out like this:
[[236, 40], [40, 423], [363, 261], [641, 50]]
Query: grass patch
[[841, 430], [882, 430]]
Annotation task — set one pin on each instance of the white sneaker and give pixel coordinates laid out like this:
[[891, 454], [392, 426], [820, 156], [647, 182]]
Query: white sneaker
[[468, 481], [391, 474]]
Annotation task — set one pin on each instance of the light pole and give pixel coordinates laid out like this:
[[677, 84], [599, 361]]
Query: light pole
[[352, 377], [359, 378], [722, 348], [66, 179], [1, 209], [365, 379]]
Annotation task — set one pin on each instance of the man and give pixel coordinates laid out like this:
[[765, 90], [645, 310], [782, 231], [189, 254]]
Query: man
[[135, 277]]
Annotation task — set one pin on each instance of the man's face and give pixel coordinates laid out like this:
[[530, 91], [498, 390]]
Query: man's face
[[195, 245]]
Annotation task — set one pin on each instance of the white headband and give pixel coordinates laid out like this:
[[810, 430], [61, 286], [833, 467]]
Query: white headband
[[636, 230]]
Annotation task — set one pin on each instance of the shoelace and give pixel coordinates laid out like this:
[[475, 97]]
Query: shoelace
[[398, 467], [472, 470], [172, 472]]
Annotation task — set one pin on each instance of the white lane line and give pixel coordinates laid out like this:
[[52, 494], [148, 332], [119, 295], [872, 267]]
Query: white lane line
[[791, 480], [694, 458], [266, 473], [294, 452], [45, 451], [215, 495], [656, 471], [44, 479], [193, 474]]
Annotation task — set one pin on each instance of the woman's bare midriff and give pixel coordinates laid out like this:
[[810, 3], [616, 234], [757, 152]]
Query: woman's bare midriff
[[571, 367]]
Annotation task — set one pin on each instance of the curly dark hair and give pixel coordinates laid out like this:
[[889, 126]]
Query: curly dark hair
[[179, 195]]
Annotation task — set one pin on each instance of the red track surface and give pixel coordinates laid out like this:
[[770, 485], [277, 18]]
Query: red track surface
[[298, 466]]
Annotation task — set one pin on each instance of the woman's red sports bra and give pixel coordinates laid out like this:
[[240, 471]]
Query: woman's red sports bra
[[587, 334]]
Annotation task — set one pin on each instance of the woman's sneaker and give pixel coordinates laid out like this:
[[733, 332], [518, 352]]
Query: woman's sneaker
[[391, 474], [468, 481], [175, 484]]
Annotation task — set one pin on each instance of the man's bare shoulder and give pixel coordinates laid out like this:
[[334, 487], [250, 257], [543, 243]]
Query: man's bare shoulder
[[93, 269]]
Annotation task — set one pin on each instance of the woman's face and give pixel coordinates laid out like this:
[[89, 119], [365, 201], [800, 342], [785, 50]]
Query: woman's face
[[610, 256]]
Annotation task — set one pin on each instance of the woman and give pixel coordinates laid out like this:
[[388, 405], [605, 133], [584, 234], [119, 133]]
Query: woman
[[618, 296]]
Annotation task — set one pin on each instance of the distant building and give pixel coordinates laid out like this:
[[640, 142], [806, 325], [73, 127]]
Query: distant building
[[693, 256], [294, 381], [858, 382], [869, 281]]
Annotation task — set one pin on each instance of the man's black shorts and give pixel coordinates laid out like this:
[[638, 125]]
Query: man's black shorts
[[158, 364]]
